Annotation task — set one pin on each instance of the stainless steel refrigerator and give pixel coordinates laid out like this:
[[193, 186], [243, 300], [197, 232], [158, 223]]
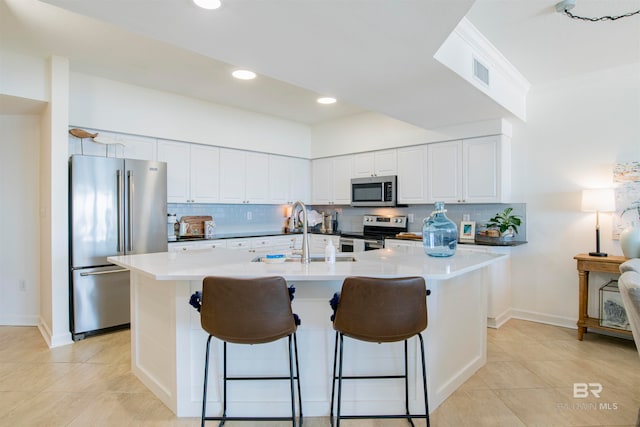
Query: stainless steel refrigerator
[[116, 207]]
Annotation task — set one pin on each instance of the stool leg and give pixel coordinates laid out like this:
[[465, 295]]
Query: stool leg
[[424, 380], [293, 397], [406, 383], [224, 383], [333, 378], [295, 349], [206, 376], [340, 380]]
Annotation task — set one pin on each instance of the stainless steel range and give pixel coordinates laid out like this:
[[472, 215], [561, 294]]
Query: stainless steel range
[[375, 229]]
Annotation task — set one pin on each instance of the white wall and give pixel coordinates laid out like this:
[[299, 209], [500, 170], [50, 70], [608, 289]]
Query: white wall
[[372, 131], [23, 75], [19, 207], [109, 105], [576, 130]]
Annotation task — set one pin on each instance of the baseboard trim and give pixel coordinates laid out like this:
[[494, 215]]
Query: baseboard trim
[[499, 320], [534, 316], [19, 320], [53, 340]]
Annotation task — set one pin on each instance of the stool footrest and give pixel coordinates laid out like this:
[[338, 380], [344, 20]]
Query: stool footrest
[[247, 418], [259, 378], [381, 417], [369, 377]]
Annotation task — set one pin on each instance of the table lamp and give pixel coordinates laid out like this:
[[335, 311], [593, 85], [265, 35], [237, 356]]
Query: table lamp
[[598, 200]]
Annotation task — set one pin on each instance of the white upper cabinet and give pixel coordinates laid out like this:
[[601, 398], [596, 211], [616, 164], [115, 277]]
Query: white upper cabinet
[[375, 163], [204, 176], [243, 176], [176, 154], [192, 172], [331, 180], [470, 171], [289, 179], [256, 177], [279, 172], [487, 167], [299, 180], [444, 172], [412, 175], [135, 147]]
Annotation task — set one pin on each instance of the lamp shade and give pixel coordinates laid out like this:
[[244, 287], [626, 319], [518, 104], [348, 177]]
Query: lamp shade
[[598, 200]]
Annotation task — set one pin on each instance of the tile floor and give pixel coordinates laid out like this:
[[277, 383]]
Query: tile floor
[[527, 381]]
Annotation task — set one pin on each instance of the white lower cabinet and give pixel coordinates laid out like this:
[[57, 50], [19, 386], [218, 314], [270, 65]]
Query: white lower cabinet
[[499, 278], [199, 245], [318, 242]]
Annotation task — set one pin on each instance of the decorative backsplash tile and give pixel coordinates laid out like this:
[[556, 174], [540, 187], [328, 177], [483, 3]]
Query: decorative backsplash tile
[[244, 218]]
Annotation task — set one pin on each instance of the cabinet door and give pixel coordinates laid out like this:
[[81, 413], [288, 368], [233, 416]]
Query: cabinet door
[[385, 163], [363, 165], [232, 176], [176, 155], [256, 178], [279, 172], [322, 181], [136, 147], [299, 180], [205, 178], [412, 175], [481, 167], [444, 172], [376, 163], [342, 173]]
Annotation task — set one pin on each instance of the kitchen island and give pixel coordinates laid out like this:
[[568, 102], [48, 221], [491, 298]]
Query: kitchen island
[[168, 344]]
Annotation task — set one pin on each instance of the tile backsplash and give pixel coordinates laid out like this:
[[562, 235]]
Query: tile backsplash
[[272, 218]]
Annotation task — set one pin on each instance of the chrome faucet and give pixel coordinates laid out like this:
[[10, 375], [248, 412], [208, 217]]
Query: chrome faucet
[[305, 259]]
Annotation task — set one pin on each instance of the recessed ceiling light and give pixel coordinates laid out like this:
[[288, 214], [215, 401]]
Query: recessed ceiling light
[[326, 100], [244, 74], [208, 4]]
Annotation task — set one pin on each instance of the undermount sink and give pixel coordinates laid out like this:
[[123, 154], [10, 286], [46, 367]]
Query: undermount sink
[[312, 258]]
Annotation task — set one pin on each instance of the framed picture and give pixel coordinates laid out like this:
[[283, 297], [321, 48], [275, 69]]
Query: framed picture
[[467, 230]]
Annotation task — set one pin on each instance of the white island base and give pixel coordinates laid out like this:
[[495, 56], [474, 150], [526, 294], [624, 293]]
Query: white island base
[[168, 344]]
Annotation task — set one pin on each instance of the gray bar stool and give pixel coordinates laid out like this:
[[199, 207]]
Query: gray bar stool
[[379, 310], [248, 311]]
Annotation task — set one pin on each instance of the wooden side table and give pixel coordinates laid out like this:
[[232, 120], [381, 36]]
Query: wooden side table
[[587, 263]]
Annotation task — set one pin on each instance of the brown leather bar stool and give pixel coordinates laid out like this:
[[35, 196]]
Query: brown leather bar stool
[[248, 311], [380, 310]]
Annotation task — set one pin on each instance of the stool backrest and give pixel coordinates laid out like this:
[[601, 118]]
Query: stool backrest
[[246, 311], [381, 309], [629, 286]]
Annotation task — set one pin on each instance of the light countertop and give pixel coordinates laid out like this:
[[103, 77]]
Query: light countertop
[[397, 262]]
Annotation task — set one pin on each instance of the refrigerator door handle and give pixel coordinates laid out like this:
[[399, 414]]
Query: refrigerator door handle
[[98, 273], [119, 220], [129, 211]]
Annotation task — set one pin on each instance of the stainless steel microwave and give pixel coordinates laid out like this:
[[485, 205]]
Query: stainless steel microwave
[[374, 191]]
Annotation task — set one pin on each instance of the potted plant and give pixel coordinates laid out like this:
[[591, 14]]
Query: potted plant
[[505, 223]]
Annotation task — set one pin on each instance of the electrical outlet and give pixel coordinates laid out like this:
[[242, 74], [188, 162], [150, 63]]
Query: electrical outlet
[[249, 216], [22, 285], [411, 218]]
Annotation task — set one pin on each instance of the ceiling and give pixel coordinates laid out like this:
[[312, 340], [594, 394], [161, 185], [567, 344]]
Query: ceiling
[[373, 55]]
